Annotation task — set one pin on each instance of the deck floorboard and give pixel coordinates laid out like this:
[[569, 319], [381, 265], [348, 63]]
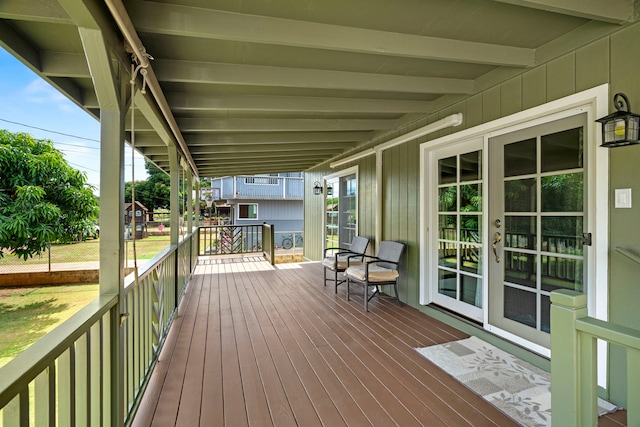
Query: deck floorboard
[[258, 345]]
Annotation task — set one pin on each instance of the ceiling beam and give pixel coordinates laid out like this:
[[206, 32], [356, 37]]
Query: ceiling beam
[[181, 102], [261, 75], [300, 139], [59, 64], [48, 11], [252, 148], [278, 137], [613, 11], [188, 21], [278, 125]]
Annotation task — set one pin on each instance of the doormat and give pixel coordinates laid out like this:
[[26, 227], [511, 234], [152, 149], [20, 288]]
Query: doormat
[[519, 389]]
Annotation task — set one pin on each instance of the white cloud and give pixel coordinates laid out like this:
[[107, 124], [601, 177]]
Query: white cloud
[[41, 92]]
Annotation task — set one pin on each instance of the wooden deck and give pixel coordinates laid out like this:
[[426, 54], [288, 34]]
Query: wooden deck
[[257, 345]]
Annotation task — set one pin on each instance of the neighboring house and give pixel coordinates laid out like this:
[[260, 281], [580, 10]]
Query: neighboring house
[[141, 215], [276, 199]]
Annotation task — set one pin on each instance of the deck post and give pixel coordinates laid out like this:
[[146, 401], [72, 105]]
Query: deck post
[[566, 307]]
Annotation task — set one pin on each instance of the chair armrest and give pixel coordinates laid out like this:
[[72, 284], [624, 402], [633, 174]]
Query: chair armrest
[[332, 249]]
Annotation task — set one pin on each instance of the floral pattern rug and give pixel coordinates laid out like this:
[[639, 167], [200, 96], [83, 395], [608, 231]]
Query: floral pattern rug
[[517, 388]]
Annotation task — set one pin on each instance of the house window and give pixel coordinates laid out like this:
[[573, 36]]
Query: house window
[[262, 180], [138, 213], [248, 211]]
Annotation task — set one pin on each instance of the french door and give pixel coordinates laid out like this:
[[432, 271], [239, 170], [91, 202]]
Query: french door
[[536, 224], [341, 210], [458, 248], [509, 222]]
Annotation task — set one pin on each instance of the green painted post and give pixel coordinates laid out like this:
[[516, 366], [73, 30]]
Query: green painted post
[[566, 307], [633, 387]]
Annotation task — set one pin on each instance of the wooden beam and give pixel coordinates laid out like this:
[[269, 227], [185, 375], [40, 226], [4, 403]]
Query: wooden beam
[[261, 75], [48, 11], [185, 21], [278, 125], [612, 11], [192, 102]]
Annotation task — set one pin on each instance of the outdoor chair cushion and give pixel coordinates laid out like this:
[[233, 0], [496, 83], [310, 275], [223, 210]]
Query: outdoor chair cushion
[[376, 273], [341, 264]]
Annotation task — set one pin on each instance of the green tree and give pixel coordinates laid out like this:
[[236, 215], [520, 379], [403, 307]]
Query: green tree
[[154, 193], [42, 198]]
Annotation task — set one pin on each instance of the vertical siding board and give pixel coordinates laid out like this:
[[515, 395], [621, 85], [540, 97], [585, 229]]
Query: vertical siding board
[[474, 111], [561, 77], [592, 65], [511, 96], [624, 66], [534, 87], [413, 238], [491, 104]]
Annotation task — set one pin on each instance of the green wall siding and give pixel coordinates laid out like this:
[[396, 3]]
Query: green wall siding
[[612, 59]]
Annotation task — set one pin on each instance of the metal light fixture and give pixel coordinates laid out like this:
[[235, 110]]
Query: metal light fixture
[[622, 127], [317, 188]]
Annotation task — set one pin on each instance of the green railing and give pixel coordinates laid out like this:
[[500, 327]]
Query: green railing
[[236, 239], [574, 361], [268, 244], [77, 374]]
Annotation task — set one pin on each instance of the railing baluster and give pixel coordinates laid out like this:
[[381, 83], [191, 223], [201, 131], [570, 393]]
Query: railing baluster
[[95, 378]]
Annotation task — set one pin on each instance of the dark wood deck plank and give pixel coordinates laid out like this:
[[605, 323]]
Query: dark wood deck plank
[[441, 394], [212, 411], [257, 345]]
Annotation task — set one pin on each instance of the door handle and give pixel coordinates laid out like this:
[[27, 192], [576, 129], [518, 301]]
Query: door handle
[[497, 237]]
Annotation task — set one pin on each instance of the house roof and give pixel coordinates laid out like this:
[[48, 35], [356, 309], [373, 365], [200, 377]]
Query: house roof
[[127, 206], [253, 86]]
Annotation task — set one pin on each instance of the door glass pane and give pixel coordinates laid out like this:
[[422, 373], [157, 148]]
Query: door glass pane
[[562, 234], [448, 227], [520, 232], [520, 268], [471, 166], [545, 313], [520, 158], [448, 199], [470, 228], [470, 258], [562, 272], [520, 306], [471, 290], [448, 254], [562, 150], [563, 193], [447, 170], [447, 283], [520, 195], [470, 198]]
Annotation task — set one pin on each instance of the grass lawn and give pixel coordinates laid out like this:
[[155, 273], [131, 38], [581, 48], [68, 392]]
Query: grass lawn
[[146, 248], [26, 314]]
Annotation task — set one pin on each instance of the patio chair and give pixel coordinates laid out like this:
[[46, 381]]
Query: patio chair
[[337, 262], [376, 271]]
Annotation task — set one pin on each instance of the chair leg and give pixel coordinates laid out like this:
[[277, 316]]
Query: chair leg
[[395, 288], [325, 276], [335, 278], [348, 286], [366, 297]]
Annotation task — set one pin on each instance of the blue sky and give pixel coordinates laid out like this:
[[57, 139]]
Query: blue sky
[[29, 104]]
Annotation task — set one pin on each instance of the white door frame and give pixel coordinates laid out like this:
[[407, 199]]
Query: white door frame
[[595, 103], [343, 172]]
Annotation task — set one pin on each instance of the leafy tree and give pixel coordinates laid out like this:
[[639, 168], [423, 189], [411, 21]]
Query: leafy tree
[[154, 193], [42, 198]]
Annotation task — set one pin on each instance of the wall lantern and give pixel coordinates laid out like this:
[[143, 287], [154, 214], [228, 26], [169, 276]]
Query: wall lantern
[[317, 188], [329, 191], [620, 128]]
